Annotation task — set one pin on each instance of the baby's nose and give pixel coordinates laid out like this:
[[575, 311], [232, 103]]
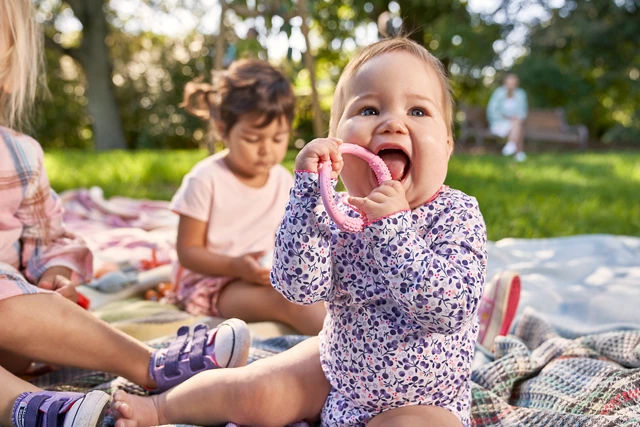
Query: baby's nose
[[393, 125]]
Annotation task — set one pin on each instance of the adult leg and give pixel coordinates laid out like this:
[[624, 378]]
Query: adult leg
[[516, 134], [9, 391], [275, 391], [50, 328], [415, 416], [255, 303]]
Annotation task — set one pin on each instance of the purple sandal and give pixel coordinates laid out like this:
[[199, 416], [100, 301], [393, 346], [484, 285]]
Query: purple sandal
[[59, 409], [226, 346]]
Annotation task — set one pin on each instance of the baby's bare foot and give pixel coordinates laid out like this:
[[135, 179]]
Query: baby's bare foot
[[136, 411]]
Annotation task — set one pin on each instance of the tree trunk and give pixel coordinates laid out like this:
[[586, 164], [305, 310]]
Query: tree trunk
[[318, 122], [93, 55]]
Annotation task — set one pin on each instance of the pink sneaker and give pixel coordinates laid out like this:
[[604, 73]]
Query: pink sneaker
[[498, 307]]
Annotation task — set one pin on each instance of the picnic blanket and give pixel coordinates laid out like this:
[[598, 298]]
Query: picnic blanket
[[572, 358], [537, 379]]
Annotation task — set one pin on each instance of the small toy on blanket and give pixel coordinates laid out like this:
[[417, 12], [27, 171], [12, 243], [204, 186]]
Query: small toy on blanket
[[125, 283]]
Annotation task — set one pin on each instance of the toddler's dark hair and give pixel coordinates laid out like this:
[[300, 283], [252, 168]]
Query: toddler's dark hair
[[248, 86]]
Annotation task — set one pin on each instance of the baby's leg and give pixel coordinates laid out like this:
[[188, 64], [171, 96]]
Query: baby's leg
[[278, 390], [51, 328], [256, 303], [415, 416], [9, 392]]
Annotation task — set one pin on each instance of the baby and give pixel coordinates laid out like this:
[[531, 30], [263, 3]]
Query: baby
[[401, 295]]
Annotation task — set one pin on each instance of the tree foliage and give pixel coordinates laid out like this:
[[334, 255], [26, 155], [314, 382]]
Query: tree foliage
[[583, 58], [586, 58]]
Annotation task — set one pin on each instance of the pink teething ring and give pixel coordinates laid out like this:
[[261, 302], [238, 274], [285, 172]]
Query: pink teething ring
[[343, 221]]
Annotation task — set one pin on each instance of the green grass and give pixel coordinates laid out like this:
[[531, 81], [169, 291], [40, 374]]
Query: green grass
[[548, 195]]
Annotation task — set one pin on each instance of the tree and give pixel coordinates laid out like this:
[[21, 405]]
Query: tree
[[585, 59], [92, 53]]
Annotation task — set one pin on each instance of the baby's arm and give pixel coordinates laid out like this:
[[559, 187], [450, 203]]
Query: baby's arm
[[302, 257], [48, 250], [194, 255], [438, 283]]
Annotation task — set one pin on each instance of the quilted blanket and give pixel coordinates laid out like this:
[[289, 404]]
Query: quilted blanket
[[572, 359]]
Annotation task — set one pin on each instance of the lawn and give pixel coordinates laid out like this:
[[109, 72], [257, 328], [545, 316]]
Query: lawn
[[555, 194]]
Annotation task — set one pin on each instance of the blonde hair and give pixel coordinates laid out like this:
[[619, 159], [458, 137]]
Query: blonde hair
[[379, 48], [20, 63]]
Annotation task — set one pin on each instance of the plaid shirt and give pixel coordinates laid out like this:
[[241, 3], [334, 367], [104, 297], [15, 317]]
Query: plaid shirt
[[32, 235]]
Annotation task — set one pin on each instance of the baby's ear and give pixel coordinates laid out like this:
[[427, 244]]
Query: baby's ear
[[450, 144]]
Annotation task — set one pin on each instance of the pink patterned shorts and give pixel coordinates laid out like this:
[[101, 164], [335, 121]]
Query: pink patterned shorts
[[196, 293], [14, 284]]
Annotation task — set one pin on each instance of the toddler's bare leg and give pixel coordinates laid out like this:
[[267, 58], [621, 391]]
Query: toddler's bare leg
[[415, 416], [50, 328], [256, 303], [275, 391], [11, 388]]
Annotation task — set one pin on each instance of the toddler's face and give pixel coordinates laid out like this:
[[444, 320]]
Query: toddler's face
[[254, 150], [394, 108]]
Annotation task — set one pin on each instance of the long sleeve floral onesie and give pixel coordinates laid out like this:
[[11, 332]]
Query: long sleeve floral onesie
[[401, 296]]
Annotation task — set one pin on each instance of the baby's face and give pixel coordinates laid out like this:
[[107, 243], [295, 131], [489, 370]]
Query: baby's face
[[393, 107]]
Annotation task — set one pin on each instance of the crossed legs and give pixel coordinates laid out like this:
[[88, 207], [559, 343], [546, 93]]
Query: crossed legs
[[52, 329]]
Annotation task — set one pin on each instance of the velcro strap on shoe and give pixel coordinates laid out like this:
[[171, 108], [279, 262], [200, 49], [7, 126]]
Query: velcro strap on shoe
[[33, 410], [198, 346], [53, 412], [172, 359]]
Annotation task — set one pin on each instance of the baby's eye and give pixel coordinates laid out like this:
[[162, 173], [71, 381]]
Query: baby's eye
[[418, 112], [368, 111]]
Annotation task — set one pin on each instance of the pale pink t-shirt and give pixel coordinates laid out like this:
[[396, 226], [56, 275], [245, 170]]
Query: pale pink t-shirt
[[241, 219]]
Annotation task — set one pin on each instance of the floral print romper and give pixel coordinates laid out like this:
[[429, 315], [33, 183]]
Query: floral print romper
[[402, 299]]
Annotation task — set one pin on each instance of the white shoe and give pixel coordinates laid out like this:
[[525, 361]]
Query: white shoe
[[509, 148], [520, 156]]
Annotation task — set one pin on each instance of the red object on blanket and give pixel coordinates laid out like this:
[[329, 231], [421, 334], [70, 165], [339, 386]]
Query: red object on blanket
[[83, 301]]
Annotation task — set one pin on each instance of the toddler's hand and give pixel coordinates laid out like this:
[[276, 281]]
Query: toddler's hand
[[320, 150], [386, 199], [248, 268], [56, 279]]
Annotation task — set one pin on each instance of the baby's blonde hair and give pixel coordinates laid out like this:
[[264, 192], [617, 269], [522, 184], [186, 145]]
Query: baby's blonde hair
[[21, 63], [377, 49]]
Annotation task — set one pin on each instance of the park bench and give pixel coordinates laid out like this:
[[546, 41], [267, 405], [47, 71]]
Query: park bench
[[543, 125]]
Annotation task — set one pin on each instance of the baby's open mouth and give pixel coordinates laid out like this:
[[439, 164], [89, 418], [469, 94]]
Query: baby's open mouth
[[397, 162]]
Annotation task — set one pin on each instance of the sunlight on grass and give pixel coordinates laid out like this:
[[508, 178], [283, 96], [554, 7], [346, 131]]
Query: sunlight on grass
[[556, 194]]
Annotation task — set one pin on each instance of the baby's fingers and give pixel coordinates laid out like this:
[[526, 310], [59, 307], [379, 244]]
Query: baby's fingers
[[361, 203]]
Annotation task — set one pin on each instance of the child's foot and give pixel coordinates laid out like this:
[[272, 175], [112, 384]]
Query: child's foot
[[59, 409], [498, 307], [136, 411], [226, 346]]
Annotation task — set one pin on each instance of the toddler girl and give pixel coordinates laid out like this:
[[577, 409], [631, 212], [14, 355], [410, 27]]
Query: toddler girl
[[231, 203], [402, 294], [41, 263]]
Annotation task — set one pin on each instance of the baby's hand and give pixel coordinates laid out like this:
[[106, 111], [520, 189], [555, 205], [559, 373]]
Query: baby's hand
[[248, 268], [56, 279], [320, 150], [386, 199]]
